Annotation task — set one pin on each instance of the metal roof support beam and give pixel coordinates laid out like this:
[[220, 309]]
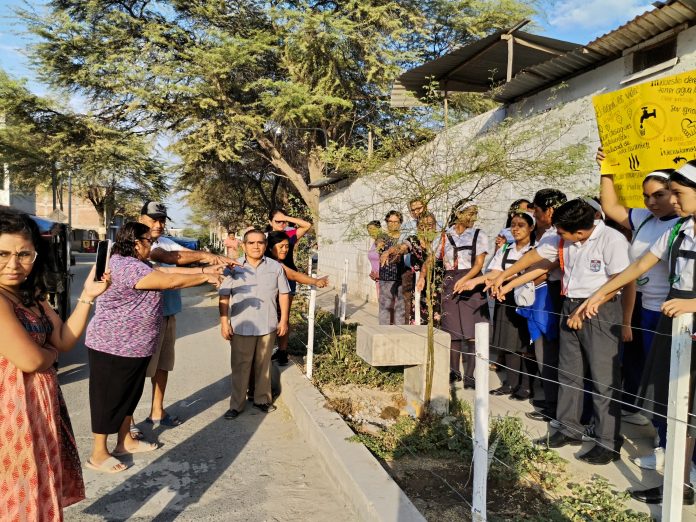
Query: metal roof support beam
[[510, 53], [538, 47]]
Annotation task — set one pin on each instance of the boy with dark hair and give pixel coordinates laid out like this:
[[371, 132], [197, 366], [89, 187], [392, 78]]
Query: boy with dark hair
[[590, 254]]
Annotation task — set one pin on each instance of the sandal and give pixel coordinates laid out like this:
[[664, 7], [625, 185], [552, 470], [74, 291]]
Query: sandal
[[136, 433], [142, 447], [167, 420], [108, 466]]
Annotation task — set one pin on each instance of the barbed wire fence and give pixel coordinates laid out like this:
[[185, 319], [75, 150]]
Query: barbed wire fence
[[678, 417]]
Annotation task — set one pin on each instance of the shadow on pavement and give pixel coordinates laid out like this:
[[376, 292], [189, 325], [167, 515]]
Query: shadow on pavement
[[182, 473]]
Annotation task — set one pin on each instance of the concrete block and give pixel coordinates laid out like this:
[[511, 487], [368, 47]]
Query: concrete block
[[408, 346]]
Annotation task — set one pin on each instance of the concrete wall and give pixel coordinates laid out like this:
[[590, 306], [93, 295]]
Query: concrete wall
[[345, 209]]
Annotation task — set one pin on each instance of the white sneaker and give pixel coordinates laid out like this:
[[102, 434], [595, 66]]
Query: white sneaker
[[634, 418], [656, 460]]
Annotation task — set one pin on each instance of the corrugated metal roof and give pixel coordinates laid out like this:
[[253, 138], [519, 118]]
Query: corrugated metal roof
[[474, 67], [668, 15]]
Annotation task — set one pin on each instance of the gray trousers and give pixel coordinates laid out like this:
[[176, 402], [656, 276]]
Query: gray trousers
[[248, 350], [546, 352], [392, 306], [594, 347]]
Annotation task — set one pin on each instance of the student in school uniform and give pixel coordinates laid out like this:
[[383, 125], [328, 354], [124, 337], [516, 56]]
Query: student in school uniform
[[590, 254], [462, 249], [647, 224], [676, 247], [543, 314], [510, 330]]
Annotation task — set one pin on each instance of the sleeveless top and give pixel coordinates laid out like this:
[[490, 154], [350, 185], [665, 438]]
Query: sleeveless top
[[42, 473]]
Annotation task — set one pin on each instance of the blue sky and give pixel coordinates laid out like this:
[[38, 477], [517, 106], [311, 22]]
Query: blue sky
[[571, 20]]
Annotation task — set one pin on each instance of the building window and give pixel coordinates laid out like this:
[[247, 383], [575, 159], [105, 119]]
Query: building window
[[655, 55]]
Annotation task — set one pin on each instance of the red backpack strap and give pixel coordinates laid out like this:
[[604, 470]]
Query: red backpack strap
[[561, 262]]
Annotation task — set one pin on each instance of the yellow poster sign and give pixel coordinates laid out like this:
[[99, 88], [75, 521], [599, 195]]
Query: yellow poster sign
[[646, 127]]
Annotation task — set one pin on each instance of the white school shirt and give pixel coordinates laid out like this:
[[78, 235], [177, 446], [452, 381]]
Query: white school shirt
[[684, 267], [466, 238], [514, 254], [590, 264], [555, 274], [654, 291]]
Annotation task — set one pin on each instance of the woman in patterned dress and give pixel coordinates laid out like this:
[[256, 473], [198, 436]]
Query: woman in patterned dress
[[39, 466]]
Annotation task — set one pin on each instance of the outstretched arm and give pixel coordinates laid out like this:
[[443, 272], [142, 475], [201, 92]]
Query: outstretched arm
[[522, 263], [609, 198]]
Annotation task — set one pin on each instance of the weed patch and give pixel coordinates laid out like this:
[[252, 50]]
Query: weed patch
[[598, 501], [335, 359]]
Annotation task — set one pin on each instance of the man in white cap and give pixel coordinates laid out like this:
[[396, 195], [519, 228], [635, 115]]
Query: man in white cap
[[167, 252]]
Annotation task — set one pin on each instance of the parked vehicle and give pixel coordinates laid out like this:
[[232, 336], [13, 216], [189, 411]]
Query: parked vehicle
[[188, 242], [58, 275]]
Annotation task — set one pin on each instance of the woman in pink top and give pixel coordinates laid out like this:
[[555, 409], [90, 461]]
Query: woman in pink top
[[123, 335], [374, 230]]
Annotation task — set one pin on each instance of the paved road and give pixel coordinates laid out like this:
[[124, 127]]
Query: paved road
[[255, 468]]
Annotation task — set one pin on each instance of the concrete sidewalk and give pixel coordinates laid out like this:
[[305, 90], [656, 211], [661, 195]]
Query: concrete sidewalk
[[623, 474], [255, 468]]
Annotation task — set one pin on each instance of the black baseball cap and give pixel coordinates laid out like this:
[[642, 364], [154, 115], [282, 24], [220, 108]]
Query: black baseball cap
[[154, 209]]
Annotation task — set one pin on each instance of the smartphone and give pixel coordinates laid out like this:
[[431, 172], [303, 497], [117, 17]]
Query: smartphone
[[103, 255]]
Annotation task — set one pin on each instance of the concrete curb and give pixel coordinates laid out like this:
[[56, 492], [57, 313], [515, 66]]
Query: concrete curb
[[363, 482]]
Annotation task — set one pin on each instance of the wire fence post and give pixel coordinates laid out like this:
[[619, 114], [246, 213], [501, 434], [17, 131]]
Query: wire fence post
[[309, 361], [344, 292], [478, 503], [416, 301], [677, 417]]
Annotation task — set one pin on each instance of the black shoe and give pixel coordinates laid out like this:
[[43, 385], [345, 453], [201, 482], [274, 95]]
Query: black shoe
[[654, 495], [266, 408], [557, 440], [503, 390], [539, 415], [281, 357], [454, 377], [469, 383], [599, 455], [231, 414], [520, 395]]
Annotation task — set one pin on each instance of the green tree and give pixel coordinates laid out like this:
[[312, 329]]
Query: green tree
[[42, 143], [298, 84]]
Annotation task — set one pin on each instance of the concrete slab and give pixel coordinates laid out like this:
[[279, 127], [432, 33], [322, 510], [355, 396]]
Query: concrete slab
[[407, 345]]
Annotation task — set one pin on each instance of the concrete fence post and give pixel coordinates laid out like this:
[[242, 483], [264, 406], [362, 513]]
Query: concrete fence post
[[478, 502], [416, 301], [309, 360], [677, 417], [344, 292]]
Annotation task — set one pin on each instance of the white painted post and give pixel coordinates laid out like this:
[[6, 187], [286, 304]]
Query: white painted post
[[677, 416], [478, 502], [344, 292], [416, 301], [309, 360]]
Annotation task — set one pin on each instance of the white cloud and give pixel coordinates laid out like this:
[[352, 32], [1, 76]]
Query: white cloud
[[595, 15]]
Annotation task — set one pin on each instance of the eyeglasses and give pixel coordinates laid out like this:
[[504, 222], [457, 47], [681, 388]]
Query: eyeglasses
[[145, 239], [26, 257], [280, 222]]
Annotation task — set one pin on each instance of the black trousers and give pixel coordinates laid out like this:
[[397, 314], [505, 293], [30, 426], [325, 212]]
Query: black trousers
[[595, 347]]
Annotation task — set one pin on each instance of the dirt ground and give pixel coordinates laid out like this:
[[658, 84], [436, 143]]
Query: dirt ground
[[423, 478]]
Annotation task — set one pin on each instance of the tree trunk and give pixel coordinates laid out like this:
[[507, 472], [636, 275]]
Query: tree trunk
[[54, 185], [308, 195]]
